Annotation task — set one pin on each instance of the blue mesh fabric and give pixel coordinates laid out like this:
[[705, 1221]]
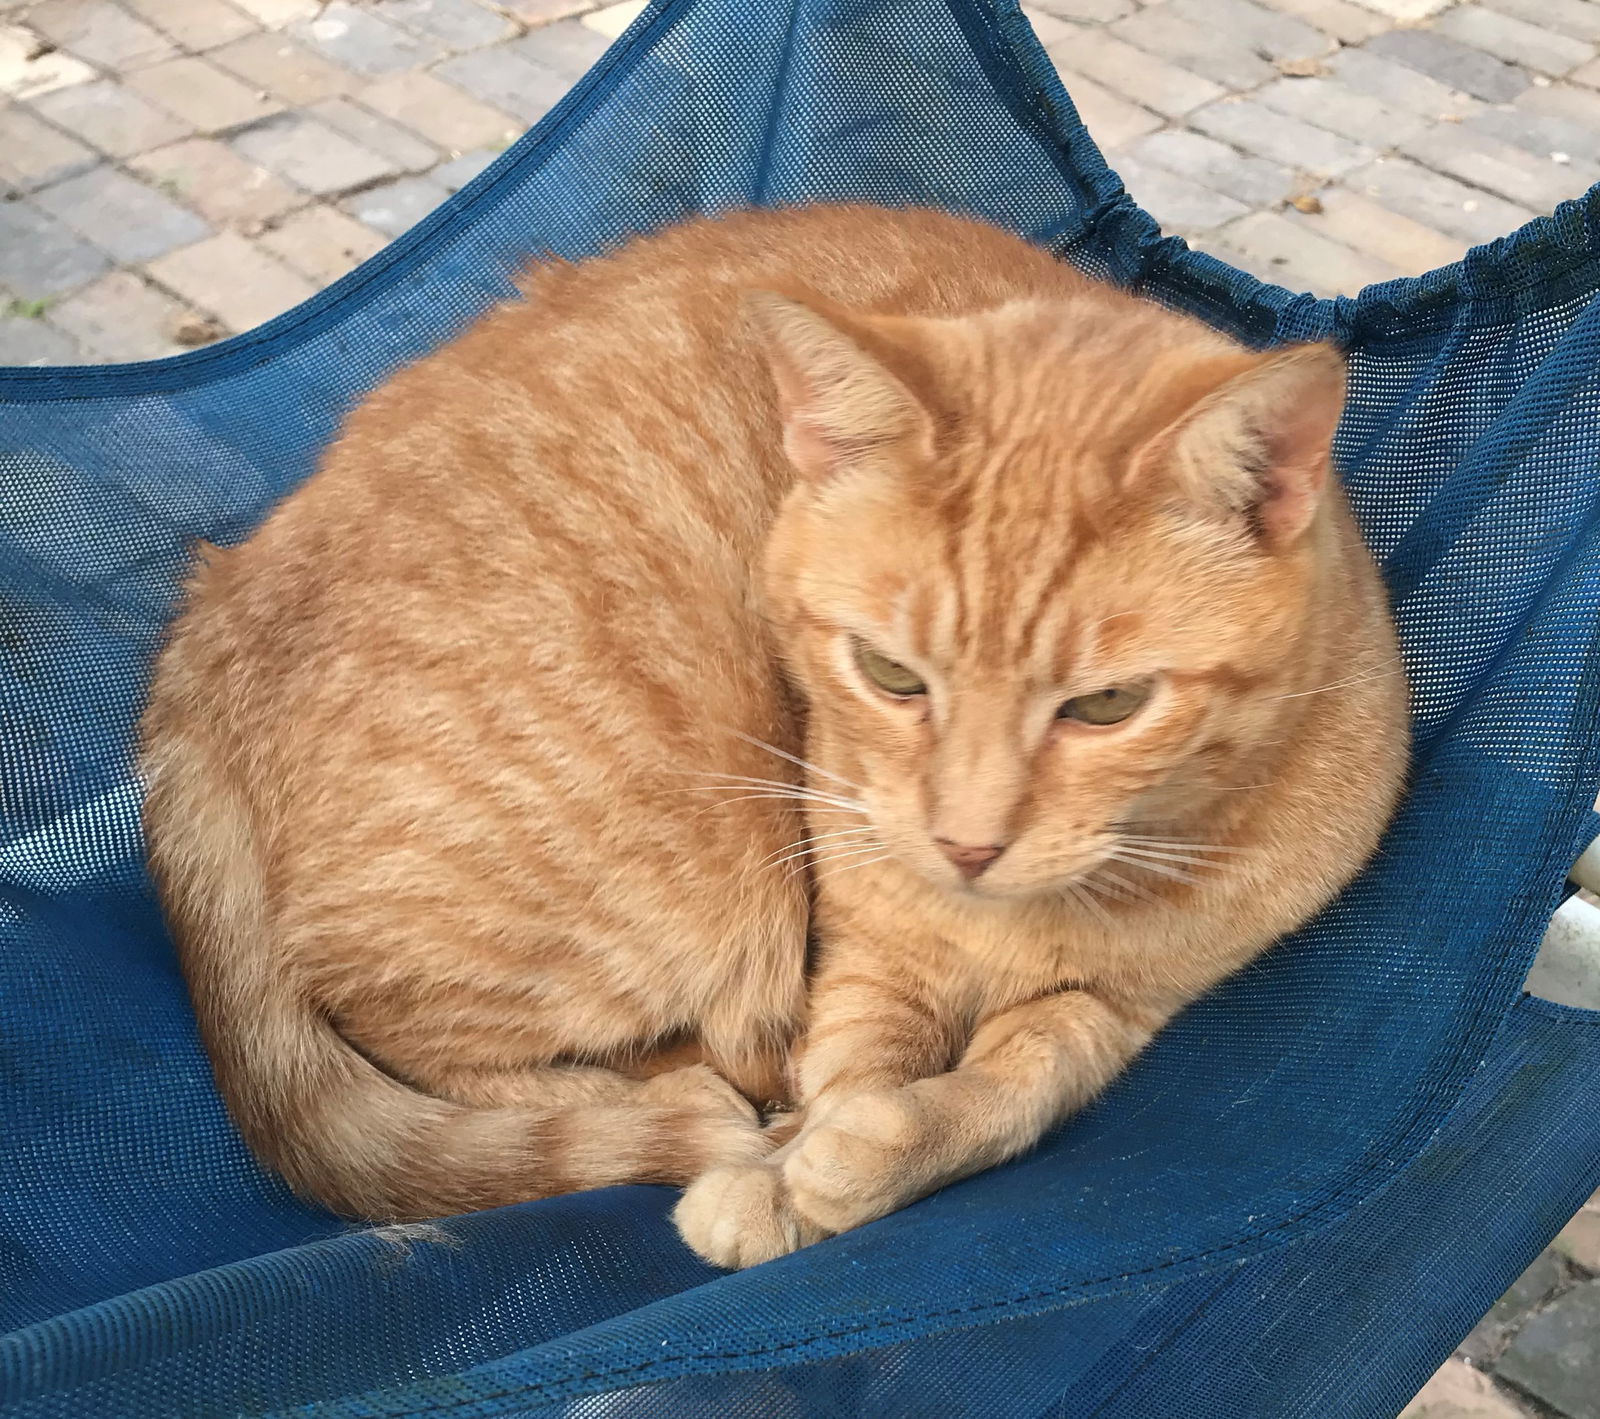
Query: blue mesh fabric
[[1293, 1205]]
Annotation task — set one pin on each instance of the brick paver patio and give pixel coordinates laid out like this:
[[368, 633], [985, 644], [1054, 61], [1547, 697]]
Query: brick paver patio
[[177, 170], [173, 171]]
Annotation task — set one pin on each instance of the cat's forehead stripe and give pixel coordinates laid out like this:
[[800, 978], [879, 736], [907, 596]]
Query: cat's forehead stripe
[[931, 611], [1014, 555]]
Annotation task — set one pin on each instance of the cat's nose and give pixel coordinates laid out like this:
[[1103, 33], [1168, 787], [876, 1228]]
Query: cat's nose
[[971, 860]]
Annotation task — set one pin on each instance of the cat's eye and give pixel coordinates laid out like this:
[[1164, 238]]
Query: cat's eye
[[890, 676], [1109, 706]]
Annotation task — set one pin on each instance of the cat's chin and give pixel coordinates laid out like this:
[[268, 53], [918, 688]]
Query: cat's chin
[[996, 889], [998, 892]]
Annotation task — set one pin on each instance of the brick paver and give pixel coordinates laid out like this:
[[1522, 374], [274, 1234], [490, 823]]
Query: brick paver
[[309, 154], [1253, 127], [460, 171], [507, 81], [33, 153], [1469, 214], [27, 340], [1242, 176], [1333, 107], [362, 40], [232, 277], [1341, 20], [1298, 255], [120, 317], [111, 117], [1460, 1392], [1203, 48], [194, 25], [1128, 70], [221, 186], [174, 170], [177, 169], [100, 32], [1406, 10], [456, 24], [41, 259], [202, 95], [1578, 18], [1457, 65], [1368, 137], [396, 207], [1175, 200], [1533, 46], [321, 243], [1364, 225], [1115, 120], [290, 72], [275, 14], [126, 219], [403, 149], [439, 111], [613, 19]]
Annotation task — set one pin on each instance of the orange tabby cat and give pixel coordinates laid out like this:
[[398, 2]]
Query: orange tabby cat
[[471, 797]]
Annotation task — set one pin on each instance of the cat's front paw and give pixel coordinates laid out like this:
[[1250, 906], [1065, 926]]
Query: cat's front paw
[[861, 1162], [737, 1217]]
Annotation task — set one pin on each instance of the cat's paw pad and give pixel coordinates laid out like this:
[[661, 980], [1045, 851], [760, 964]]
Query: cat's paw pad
[[714, 1117], [737, 1217], [856, 1165]]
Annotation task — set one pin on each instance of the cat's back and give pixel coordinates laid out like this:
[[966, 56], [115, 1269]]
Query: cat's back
[[608, 439], [646, 353], [906, 262]]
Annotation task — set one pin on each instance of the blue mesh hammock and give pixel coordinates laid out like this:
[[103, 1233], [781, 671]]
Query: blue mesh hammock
[[1293, 1205]]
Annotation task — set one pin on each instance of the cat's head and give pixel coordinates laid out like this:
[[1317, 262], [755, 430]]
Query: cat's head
[[1043, 577]]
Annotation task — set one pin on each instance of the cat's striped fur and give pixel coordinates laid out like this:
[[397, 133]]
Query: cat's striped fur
[[470, 796]]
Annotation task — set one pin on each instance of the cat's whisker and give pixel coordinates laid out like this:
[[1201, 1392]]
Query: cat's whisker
[[834, 849], [882, 856], [1135, 856], [1101, 878], [815, 810], [1160, 855], [806, 843], [1162, 869], [840, 854], [796, 759], [1180, 845], [841, 805], [745, 781], [738, 781], [1097, 888], [803, 856], [799, 805], [810, 852], [1086, 900], [1345, 683], [794, 806]]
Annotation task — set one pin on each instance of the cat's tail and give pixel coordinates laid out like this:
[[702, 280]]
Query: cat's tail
[[339, 1129]]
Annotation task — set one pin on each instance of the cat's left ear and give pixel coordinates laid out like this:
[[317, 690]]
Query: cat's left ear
[[1261, 444], [842, 404]]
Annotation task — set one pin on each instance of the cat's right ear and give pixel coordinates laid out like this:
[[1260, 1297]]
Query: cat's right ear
[[841, 405]]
